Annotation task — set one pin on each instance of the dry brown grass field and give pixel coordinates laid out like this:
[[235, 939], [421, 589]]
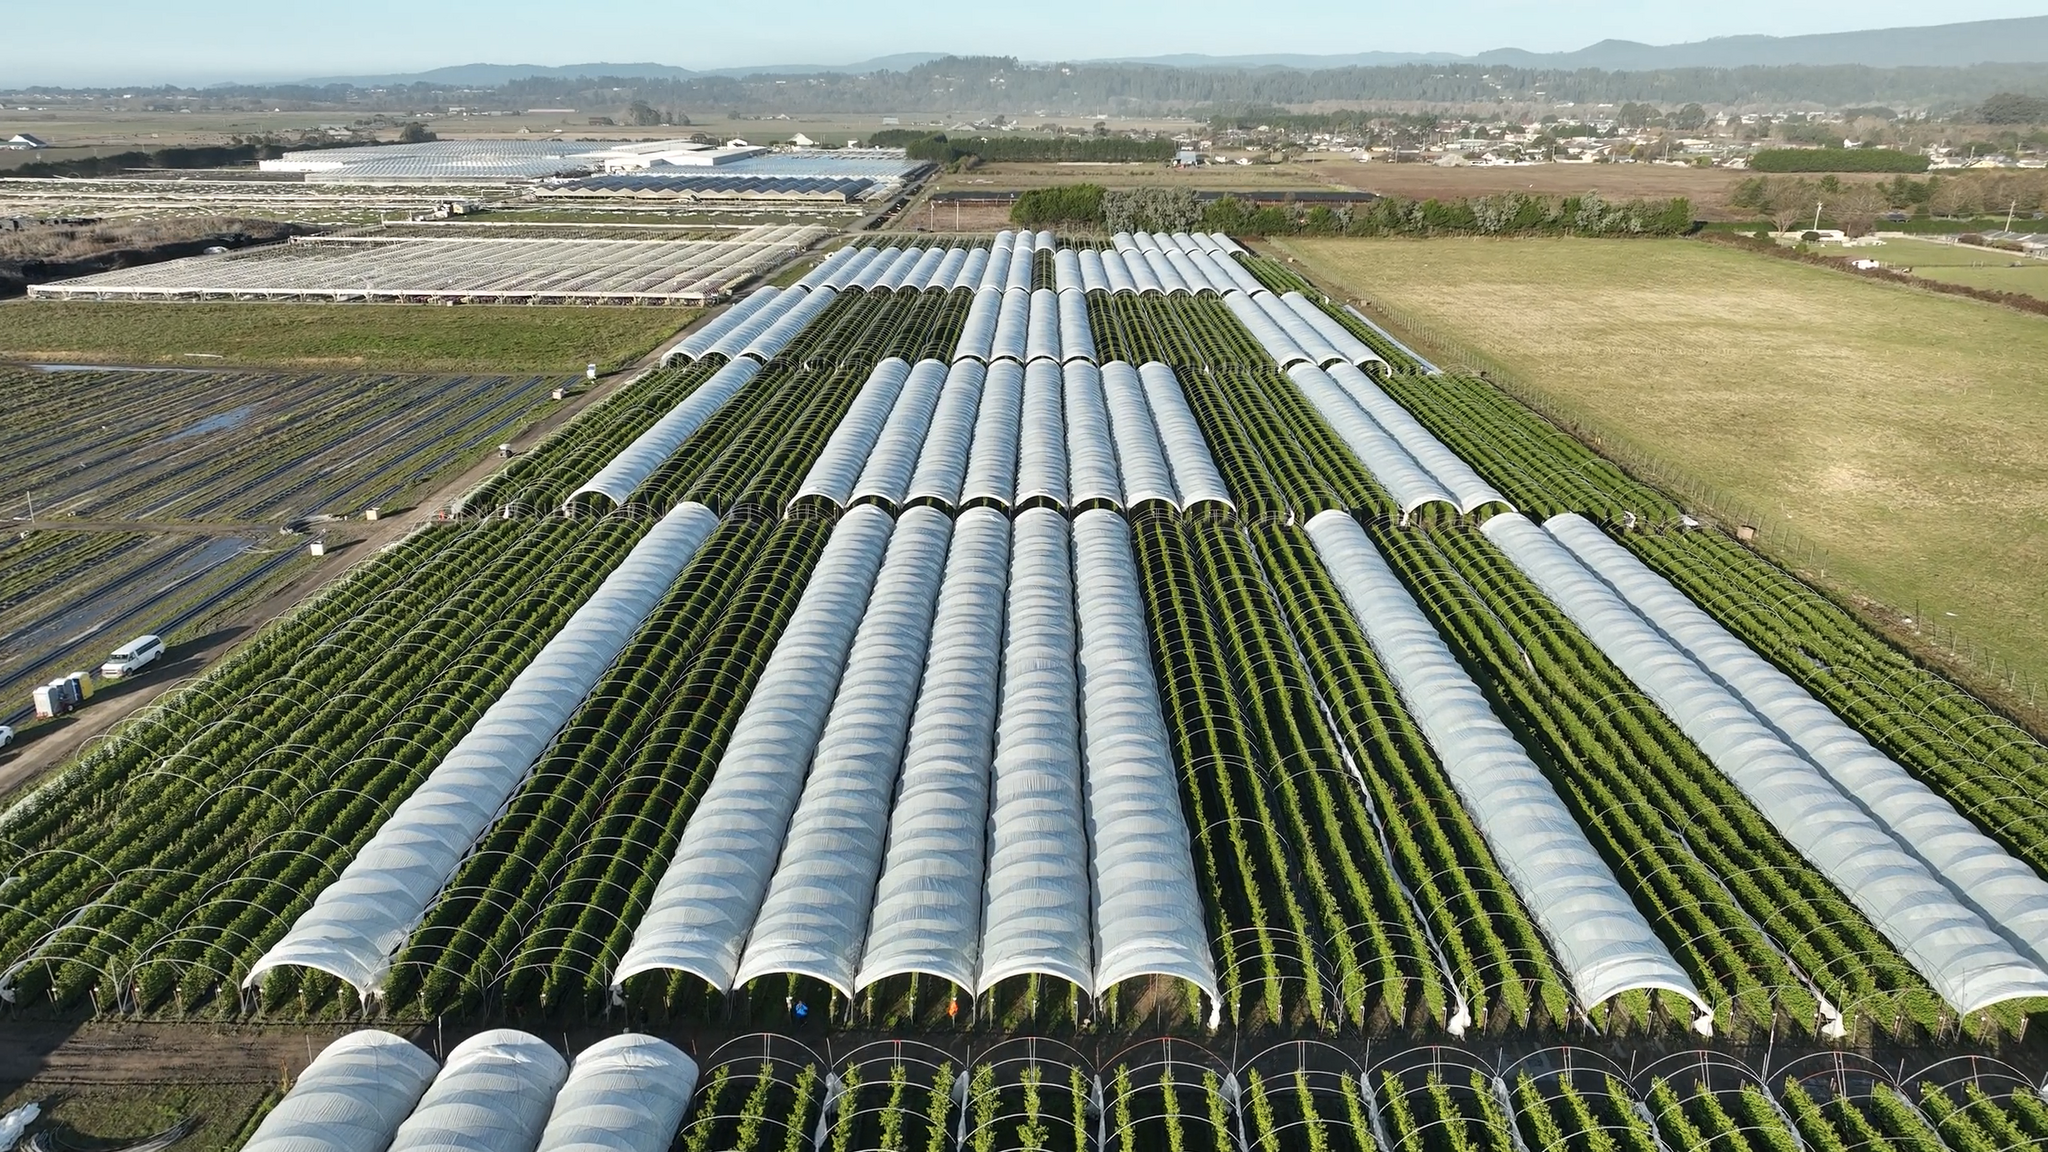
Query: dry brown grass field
[[1895, 435]]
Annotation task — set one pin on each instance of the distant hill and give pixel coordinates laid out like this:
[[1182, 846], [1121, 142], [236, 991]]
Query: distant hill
[[497, 75]]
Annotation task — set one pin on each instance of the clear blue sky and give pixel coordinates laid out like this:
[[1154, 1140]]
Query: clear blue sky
[[208, 41]]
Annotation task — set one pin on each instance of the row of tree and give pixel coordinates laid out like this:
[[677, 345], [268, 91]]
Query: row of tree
[[1508, 214], [1857, 206]]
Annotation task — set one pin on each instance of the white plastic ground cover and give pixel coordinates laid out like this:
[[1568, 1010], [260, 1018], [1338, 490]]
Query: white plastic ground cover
[[992, 462], [1091, 451], [1077, 338], [1093, 278], [978, 333], [1603, 941], [358, 921], [971, 269], [778, 335], [493, 1095], [1410, 484], [842, 277], [885, 478], [708, 898], [351, 1098], [927, 909], [1042, 438], [1456, 476], [1013, 327], [624, 1094], [1148, 911], [942, 461], [1277, 343], [1347, 344], [1140, 460], [1066, 271], [837, 468], [1039, 914], [1042, 330], [2004, 891], [814, 920], [1116, 271], [628, 470], [1965, 960], [1194, 470], [697, 343]]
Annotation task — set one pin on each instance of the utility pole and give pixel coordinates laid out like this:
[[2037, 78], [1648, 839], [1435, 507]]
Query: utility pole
[[2015, 207], [1816, 214]]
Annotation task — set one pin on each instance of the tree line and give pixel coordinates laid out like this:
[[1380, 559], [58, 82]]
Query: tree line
[[1507, 214]]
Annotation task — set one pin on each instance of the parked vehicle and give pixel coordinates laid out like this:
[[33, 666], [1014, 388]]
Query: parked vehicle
[[6, 735], [132, 657]]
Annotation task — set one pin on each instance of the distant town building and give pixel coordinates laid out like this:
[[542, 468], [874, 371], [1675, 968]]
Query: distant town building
[[24, 142]]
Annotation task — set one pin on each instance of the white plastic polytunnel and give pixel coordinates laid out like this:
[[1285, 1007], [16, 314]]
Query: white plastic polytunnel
[[904, 272], [1170, 279], [1093, 279], [1042, 329], [358, 921], [1194, 470], [927, 908], [1457, 477], [843, 277], [1066, 270], [1145, 241], [1300, 334], [886, 477], [951, 264], [637, 461], [1189, 275], [1148, 910], [2005, 892], [1277, 343], [1214, 272], [695, 344], [815, 918], [735, 339], [942, 461], [1226, 244], [995, 274], [1045, 241], [978, 331], [1410, 484], [992, 462], [927, 267], [972, 269], [1141, 461], [1013, 327], [1602, 940], [1339, 337], [351, 1098], [838, 466], [1116, 271], [624, 1094], [1092, 478], [1039, 913], [878, 266], [708, 898], [1967, 961], [1077, 339], [1042, 438], [778, 335], [1021, 262], [493, 1095], [833, 262], [1124, 242], [1144, 276]]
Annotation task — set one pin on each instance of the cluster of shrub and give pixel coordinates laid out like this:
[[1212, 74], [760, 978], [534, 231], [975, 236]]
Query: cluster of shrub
[[1836, 160], [1507, 214], [943, 149]]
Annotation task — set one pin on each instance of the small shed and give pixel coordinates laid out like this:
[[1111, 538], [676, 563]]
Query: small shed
[[22, 142]]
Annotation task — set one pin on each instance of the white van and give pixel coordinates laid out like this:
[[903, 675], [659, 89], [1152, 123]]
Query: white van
[[132, 657]]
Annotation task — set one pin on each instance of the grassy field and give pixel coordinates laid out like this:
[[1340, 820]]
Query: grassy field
[[108, 1115], [1969, 266], [389, 337], [1897, 434]]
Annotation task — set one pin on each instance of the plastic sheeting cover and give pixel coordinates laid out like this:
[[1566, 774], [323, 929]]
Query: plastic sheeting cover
[[1457, 477], [493, 1095], [1406, 481], [1093, 278], [1141, 461], [838, 466], [942, 461], [778, 335], [637, 461], [696, 343], [1148, 911], [1091, 451], [927, 911], [1066, 270], [1042, 437], [992, 463], [833, 262], [1077, 338], [1013, 327], [1042, 329], [708, 898], [1038, 917], [886, 476], [1354, 350], [815, 918], [1962, 957], [1116, 271], [1604, 943], [351, 1098], [1277, 343], [978, 332], [972, 269], [843, 277], [360, 919], [1194, 470], [624, 1094]]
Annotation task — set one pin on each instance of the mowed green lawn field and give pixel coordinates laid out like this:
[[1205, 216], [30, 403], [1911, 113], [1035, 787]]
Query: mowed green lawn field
[[1969, 266], [385, 337], [1903, 433]]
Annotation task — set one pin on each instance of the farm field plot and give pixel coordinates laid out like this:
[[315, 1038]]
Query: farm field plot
[[1894, 432], [1970, 266], [248, 447], [1068, 696]]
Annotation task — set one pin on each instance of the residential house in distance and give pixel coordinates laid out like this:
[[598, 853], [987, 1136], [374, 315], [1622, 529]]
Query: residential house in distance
[[23, 142]]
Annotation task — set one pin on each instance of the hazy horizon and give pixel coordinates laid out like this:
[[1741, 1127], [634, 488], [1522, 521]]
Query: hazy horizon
[[130, 42]]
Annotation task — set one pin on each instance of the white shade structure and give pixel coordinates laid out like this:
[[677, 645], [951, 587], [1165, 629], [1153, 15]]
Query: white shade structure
[[1012, 339], [1091, 451], [832, 263], [1066, 271], [927, 910], [624, 1094], [814, 920], [1042, 330], [1602, 940], [978, 333], [951, 266], [942, 461], [620, 478], [871, 274], [1457, 477], [708, 898], [1093, 278], [841, 278], [1116, 271], [1042, 438], [1968, 962], [493, 1095], [1038, 917], [1325, 325], [1140, 459], [1275, 340], [1411, 485], [361, 919], [796, 318], [1194, 469], [971, 269], [838, 466], [695, 344], [351, 1098], [1077, 337], [885, 478], [1021, 260], [992, 462], [1148, 911]]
